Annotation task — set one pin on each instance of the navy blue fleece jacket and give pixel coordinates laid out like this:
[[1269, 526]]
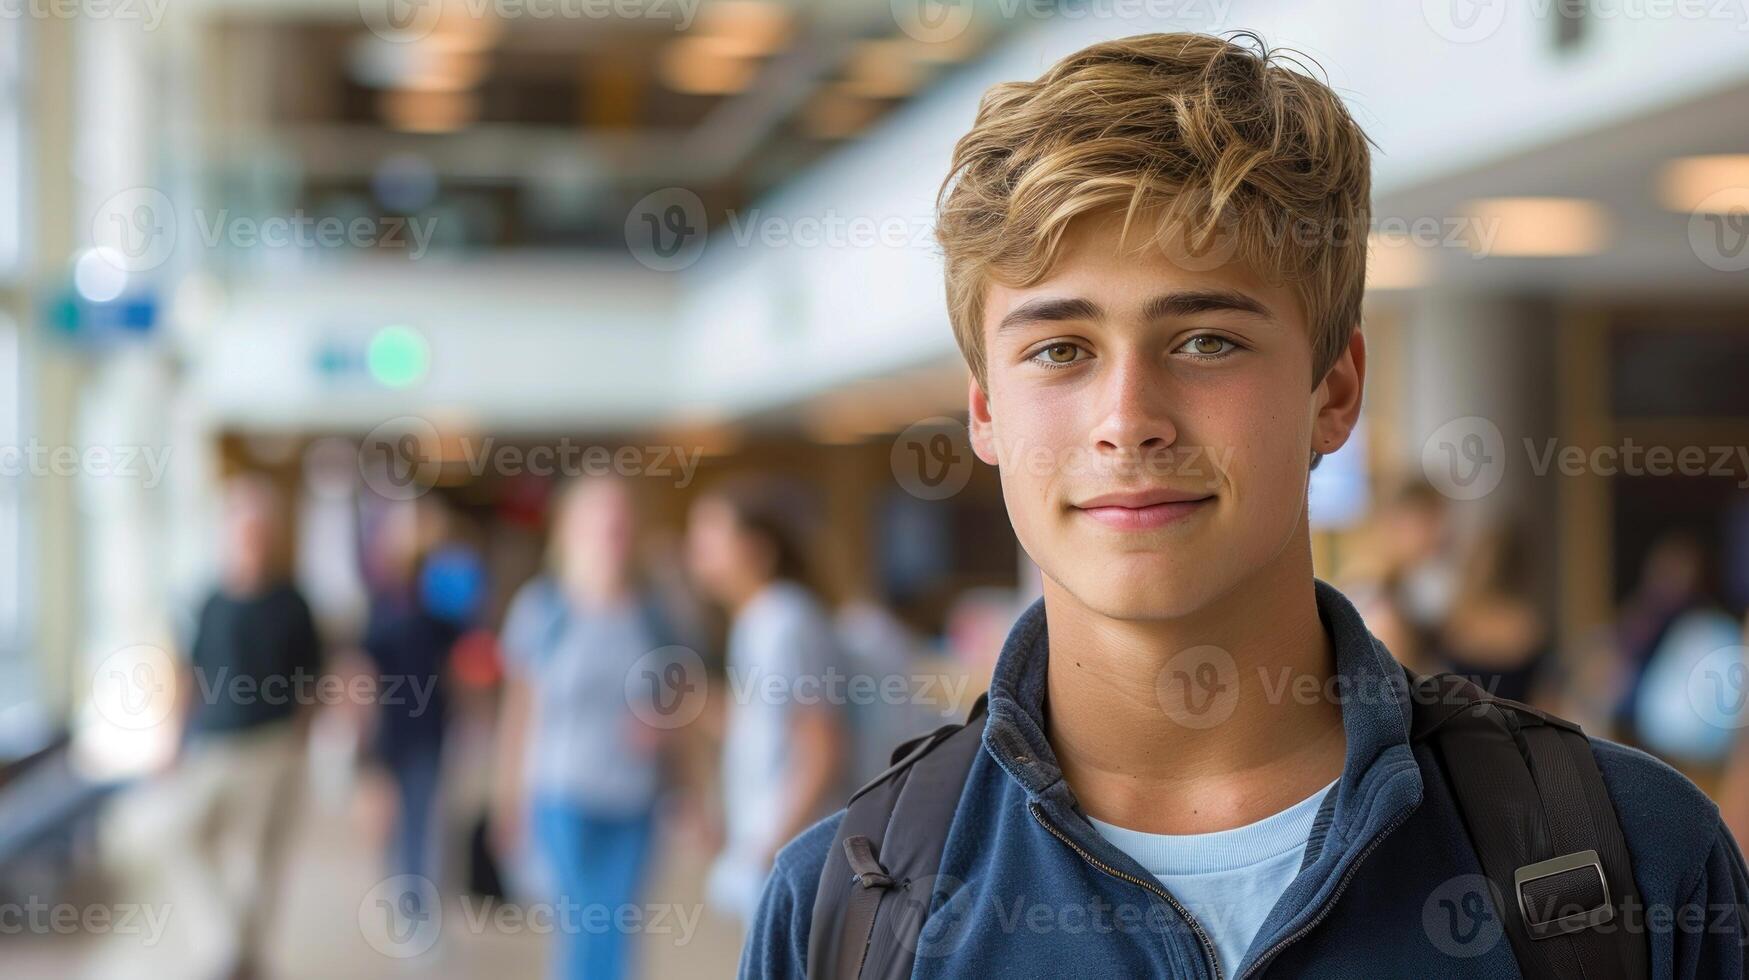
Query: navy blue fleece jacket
[[1390, 887]]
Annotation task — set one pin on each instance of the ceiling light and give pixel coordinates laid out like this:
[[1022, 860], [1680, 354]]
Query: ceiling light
[[1535, 226], [1709, 184], [883, 69], [745, 28], [705, 66]]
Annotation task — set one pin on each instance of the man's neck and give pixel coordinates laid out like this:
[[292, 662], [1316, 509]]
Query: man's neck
[[1197, 723]]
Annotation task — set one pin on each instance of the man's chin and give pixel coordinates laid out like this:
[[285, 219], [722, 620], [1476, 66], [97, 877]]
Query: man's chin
[[1145, 594]]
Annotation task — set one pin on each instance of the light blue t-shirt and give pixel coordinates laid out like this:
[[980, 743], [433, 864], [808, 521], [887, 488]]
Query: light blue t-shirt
[[583, 746], [1229, 880]]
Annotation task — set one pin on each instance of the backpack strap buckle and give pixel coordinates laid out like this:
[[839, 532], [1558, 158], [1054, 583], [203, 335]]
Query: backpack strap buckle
[[864, 869], [1563, 895]]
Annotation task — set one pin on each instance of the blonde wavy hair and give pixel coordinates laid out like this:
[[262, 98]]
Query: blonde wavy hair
[[1229, 151]]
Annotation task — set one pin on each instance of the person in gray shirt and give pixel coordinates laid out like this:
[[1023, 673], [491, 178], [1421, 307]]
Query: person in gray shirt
[[580, 767]]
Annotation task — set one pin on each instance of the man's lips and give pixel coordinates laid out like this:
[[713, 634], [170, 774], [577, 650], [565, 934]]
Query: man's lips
[[1142, 510]]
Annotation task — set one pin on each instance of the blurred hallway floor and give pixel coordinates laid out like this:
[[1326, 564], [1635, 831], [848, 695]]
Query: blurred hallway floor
[[331, 871]]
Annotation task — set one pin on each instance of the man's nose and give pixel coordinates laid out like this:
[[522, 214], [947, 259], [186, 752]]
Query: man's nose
[[1135, 407]]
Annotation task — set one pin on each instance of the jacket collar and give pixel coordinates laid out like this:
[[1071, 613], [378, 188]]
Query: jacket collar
[[1375, 718]]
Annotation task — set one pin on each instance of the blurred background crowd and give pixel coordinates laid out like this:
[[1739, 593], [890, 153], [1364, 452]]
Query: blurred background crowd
[[476, 476]]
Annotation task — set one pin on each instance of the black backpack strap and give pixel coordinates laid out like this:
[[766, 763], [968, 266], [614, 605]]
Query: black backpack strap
[[1544, 829], [878, 880]]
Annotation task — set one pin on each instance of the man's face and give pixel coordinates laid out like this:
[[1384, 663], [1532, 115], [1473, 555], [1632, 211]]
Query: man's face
[[1153, 425]]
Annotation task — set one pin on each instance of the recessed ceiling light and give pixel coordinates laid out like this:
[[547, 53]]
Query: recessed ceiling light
[[706, 66], [1717, 184], [883, 69], [746, 28], [1535, 226]]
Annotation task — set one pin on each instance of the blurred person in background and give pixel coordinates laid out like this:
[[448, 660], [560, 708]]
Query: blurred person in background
[[254, 662], [785, 752], [579, 770], [1492, 634], [879, 647], [1672, 583], [414, 623], [1682, 660], [1734, 788], [1404, 577]]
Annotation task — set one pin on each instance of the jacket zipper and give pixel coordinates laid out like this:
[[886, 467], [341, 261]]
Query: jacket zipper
[[1341, 886], [1208, 946]]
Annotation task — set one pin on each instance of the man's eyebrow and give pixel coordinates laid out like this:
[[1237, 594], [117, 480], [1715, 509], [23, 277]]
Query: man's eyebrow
[[1161, 307], [1167, 305], [1050, 308]]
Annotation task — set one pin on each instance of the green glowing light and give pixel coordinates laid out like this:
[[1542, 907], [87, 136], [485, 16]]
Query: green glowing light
[[398, 356]]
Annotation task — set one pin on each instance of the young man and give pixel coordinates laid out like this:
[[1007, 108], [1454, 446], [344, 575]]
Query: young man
[[1203, 765]]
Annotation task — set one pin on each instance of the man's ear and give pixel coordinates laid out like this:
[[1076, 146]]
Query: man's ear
[[982, 427], [1339, 396]]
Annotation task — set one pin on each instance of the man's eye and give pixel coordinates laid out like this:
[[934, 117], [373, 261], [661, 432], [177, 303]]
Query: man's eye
[[1057, 355], [1209, 345]]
